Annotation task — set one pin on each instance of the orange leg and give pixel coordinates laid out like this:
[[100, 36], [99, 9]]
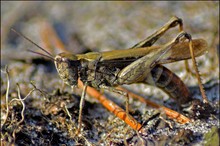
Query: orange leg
[[170, 113], [111, 106]]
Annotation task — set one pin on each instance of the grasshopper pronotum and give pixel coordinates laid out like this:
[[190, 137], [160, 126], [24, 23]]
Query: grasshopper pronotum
[[139, 64]]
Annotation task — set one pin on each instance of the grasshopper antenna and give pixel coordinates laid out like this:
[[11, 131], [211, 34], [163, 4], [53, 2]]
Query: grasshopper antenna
[[50, 55], [41, 54]]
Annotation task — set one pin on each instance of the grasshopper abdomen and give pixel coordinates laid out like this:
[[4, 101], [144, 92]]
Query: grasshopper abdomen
[[170, 83]]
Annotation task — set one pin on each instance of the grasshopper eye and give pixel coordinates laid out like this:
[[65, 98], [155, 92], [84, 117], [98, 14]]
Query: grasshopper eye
[[64, 59]]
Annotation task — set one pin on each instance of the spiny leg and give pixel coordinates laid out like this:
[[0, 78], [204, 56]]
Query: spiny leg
[[189, 71], [141, 68], [205, 100], [149, 41]]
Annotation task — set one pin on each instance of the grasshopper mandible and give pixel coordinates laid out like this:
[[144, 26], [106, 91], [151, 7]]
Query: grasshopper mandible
[[142, 63]]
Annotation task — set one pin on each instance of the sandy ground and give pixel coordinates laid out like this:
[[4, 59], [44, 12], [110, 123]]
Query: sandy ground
[[100, 26]]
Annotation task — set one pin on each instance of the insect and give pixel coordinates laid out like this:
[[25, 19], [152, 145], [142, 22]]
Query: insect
[[141, 63]]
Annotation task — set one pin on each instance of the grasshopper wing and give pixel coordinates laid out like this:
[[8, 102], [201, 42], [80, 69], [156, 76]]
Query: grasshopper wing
[[181, 51]]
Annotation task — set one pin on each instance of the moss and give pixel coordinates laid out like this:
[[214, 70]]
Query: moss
[[212, 137]]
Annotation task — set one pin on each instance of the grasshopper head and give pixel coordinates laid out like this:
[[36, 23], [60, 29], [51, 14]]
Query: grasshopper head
[[67, 68]]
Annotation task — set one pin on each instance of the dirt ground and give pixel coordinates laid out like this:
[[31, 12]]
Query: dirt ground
[[47, 114]]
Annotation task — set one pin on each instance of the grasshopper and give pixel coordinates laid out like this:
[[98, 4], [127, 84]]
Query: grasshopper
[[141, 63]]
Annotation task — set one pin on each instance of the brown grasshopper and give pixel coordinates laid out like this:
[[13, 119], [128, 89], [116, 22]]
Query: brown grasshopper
[[142, 63]]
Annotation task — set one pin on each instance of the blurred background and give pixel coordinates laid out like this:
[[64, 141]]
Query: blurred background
[[101, 26]]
